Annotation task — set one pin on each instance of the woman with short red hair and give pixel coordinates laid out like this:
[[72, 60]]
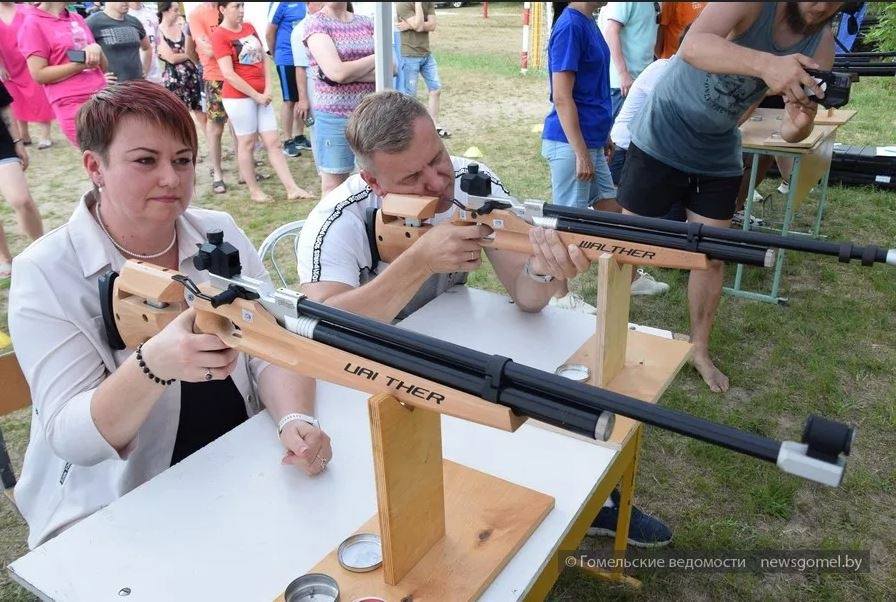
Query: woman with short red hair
[[106, 421]]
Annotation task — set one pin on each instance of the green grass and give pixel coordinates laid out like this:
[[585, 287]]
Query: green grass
[[830, 351]]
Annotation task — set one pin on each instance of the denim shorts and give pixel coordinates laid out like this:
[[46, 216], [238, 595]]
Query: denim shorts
[[425, 66], [565, 188], [332, 154]]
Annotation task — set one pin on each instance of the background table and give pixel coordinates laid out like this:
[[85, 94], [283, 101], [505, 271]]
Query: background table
[[231, 523], [811, 166]]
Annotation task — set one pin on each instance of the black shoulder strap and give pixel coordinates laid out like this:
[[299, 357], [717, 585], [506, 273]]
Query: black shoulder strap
[[370, 223]]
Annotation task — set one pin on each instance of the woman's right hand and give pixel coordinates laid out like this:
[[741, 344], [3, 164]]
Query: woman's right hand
[[584, 167], [92, 55], [178, 352], [263, 99]]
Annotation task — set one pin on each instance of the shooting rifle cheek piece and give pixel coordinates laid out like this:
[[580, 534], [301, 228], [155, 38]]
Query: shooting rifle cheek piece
[[285, 328]]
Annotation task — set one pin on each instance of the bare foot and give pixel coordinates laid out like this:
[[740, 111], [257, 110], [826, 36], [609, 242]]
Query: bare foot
[[712, 376], [261, 198], [299, 193]]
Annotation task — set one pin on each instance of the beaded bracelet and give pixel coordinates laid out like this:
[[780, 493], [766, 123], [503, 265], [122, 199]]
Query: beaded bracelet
[[147, 371]]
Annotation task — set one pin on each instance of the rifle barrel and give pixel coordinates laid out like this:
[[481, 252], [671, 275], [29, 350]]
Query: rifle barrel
[[844, 251]]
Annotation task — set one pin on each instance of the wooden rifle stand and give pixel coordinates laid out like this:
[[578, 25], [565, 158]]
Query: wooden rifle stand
[[447, 530]]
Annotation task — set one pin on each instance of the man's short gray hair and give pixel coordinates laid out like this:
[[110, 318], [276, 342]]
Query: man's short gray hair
[[383, 121]]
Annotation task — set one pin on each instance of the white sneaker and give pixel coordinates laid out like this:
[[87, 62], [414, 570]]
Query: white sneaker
[[573, 302], [784, 187], [757, 198], [645, 284], [738, 219]]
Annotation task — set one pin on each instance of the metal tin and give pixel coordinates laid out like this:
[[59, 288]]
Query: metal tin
[[313, 587], [577, 372], [361, 552]]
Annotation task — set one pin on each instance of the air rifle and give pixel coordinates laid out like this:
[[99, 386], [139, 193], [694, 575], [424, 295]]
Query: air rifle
[[631, 239], [287, 329]]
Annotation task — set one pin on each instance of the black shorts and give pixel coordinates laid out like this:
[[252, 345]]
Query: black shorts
[[651, 188], [288, 85]]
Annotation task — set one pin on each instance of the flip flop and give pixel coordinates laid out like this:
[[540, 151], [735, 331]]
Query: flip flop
[[443, 133], [259, 176], [218, 187]]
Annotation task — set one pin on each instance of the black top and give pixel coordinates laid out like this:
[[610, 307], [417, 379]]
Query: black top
[[7, 148], [207, 411]]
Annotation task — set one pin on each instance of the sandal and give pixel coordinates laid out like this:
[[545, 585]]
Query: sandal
[[259, 176], [443, 133], [218, 187]]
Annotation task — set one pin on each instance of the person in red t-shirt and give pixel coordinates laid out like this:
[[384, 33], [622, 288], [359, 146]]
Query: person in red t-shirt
[[247, 98]]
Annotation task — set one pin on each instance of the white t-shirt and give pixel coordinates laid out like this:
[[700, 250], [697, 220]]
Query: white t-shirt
[[334, 247], [637, 96], [150, 22]]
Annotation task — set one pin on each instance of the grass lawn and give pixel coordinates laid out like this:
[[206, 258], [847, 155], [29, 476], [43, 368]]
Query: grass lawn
[[830, 351]]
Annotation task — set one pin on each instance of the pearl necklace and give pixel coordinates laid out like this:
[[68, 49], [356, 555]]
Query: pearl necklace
[[99, 220]]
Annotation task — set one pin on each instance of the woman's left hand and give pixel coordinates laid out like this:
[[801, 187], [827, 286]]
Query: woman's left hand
[[306, 446], [22, 154]]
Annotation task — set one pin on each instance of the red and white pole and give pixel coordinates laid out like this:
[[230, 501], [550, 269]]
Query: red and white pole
[[524, 58]]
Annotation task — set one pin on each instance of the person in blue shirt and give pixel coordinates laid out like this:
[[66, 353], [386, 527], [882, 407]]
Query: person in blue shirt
[[575, 139], [282, 18]]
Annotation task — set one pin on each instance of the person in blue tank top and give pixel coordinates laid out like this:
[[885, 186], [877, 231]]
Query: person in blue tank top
[[686, 144]]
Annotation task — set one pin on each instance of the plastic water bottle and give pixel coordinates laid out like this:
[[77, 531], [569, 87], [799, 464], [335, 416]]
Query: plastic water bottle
[[79, 37]]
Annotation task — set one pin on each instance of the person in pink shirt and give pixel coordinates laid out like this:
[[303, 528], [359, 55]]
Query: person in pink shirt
[[29, 101], [45, 38]]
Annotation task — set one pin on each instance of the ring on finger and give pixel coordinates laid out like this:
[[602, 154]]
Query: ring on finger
[[208, 374]]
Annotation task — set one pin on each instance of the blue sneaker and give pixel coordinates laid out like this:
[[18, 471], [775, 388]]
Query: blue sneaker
[[301, 142], [644, 531]]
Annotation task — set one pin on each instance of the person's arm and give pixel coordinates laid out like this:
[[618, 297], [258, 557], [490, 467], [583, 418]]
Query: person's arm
[[563, 82], [612, 34], [202, 37], [283, 393], [799, 119], [302, 104], [549, 257], [145, 54], [270, 36], [43, 73], [169, 56], [419, 21], [707, 47], [4, 73], [190, 49], [443, 249], [324, 51], [225, 63]]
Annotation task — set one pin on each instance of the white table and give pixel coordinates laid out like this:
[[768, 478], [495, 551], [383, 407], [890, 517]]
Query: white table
[[232, 523]]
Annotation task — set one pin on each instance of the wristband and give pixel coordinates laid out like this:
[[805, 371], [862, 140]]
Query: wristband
[[295, 416], [142, 363], [542, 278]]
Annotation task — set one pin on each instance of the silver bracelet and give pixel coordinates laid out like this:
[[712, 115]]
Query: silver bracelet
[[542, 278], [295, 416]]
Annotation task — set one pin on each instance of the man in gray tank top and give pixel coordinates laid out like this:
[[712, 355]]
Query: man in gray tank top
[[399, 152], [686, 144]]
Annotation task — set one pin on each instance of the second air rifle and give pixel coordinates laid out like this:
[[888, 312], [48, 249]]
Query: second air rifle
[[629, 238]]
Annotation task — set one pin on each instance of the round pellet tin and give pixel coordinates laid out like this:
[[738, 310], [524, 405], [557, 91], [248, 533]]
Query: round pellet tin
[[313, 587], [361, 552], [577, 372]]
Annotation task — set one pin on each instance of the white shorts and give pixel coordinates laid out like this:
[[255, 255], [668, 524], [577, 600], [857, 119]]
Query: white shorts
[[248, 117]]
